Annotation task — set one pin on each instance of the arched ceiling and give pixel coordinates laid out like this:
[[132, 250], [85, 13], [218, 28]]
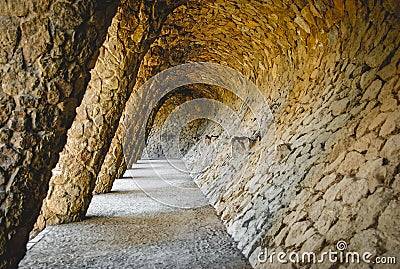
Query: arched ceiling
[[264, 40], [248, 34]]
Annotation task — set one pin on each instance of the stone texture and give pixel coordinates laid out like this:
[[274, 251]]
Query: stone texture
[[112, 167], [46, 54], [339, 153], [389, 219], [132, 31], [329, 71]]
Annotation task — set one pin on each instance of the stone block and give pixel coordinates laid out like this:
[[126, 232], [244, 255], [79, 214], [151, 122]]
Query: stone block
[[340, 106], [351, 163], [372, 91], [371, 208], [355, 191], [389, 220], [392, 123], [342, 229], [299, 233], [391, 149]]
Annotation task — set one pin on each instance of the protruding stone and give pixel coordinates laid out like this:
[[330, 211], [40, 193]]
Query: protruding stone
[[351, 163], [340, 106], [372, 91]]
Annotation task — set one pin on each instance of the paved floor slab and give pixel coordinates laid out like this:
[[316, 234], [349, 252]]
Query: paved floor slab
[[157, 219]]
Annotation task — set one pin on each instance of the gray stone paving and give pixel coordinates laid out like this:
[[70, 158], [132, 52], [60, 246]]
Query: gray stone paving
[[158, 219]]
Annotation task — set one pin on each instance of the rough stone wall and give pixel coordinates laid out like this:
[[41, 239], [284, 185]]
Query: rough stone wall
[[329, 71], [47, 50], [191, 134], [335, 172], [133, 29]]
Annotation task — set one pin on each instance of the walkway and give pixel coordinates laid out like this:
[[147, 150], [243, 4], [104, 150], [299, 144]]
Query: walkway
[[158, 219]]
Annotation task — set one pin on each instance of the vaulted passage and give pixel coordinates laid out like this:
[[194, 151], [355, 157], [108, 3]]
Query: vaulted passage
[[286, 115]]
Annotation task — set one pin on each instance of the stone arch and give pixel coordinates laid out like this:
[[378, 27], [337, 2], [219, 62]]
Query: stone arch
[[199, 108], [184, 94], [178, 76]]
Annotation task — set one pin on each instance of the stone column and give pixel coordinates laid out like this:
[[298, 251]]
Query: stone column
[[47, 50], [133, 29], [112, 168], [121, 170], [154, 62]]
